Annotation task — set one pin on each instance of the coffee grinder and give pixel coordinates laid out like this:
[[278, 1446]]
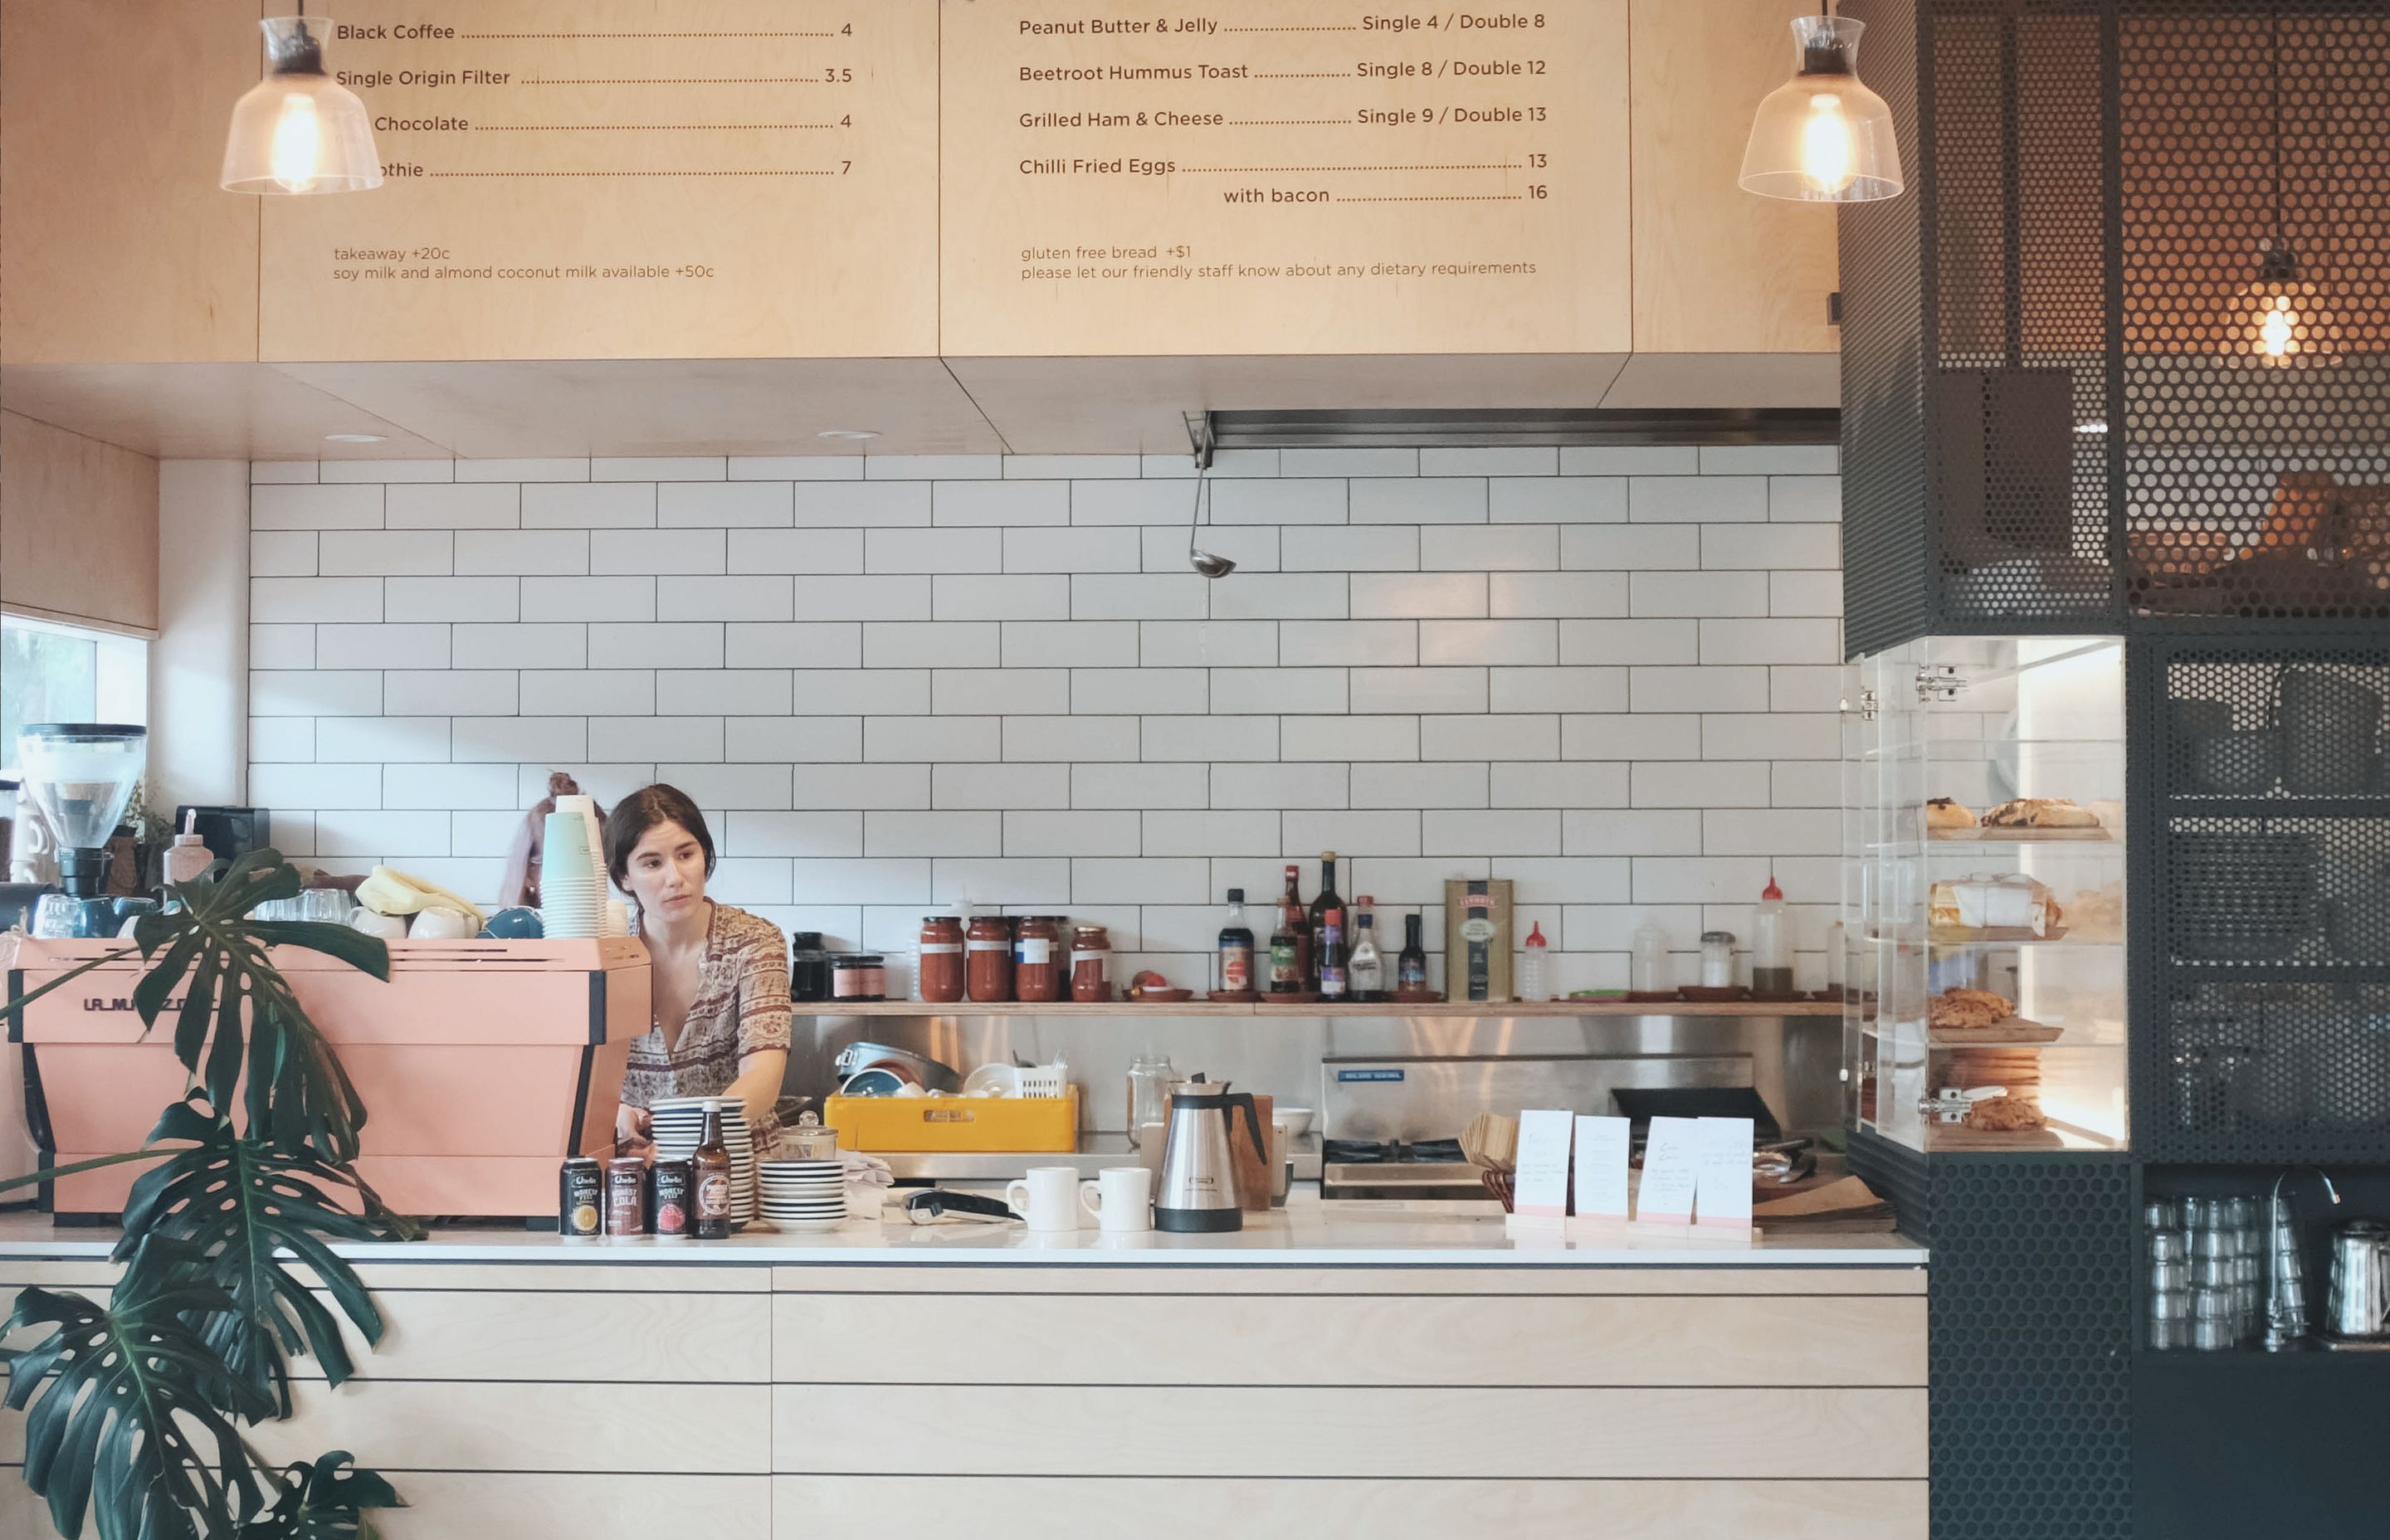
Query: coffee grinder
[[81, 775]]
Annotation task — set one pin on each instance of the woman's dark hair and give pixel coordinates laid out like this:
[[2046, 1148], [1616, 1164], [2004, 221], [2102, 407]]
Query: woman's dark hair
[[642, 811]]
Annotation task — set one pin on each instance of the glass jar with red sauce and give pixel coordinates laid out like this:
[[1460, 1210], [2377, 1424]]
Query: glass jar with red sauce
[[1091, 961], [939, 972], [1038, 963], [988, 952]]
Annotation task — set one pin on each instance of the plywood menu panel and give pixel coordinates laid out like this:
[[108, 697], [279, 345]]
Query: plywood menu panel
[[1249, 176], [623, 179], [120, 247]]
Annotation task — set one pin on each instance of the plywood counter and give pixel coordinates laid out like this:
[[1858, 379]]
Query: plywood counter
[[1365, 1370]]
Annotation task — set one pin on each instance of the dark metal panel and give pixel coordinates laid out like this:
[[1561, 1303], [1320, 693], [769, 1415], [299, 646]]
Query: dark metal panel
[[2030, 1354]]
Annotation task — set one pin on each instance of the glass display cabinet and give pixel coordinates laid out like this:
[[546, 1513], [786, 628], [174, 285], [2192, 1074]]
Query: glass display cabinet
[[1983, 924]]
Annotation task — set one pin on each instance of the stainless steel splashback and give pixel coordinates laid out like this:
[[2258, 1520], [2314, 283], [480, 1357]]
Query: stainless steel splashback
[[1433, 1098], [1795, 1062]]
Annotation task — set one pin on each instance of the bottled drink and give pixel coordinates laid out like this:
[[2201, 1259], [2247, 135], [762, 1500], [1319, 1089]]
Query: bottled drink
[[1325, 900], [712, 1161], [1365, 971], [1296, 922], [1235, 947], [1410, 966], [1531, 965], [1285, 961], [1330, 952]]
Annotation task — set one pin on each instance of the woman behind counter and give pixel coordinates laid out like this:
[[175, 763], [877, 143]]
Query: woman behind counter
[[720, 976]]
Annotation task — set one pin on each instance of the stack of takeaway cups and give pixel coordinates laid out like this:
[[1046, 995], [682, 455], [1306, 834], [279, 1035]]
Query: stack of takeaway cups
[[571, 881]]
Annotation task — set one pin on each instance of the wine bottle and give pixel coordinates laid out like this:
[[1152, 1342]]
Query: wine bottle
[[1326, 900]]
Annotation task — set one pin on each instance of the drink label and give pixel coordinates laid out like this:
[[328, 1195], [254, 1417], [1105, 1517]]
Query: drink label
[[1033, 949], [1332, 979], [1285, 968], [1412, 971], [714, 1196], [1236, 967]]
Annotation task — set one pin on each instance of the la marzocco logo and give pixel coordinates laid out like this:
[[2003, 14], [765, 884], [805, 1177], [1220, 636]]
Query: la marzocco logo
[[120, 1002]]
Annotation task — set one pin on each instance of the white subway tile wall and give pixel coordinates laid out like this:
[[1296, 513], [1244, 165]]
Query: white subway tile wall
[[904, 683]]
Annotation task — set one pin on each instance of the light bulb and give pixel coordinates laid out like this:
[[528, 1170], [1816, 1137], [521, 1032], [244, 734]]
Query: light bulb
[[2277, 332], [298, 143], [1826, 146]]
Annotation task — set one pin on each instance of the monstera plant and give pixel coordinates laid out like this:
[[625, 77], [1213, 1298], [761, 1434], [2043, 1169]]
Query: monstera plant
[[135, 1408]]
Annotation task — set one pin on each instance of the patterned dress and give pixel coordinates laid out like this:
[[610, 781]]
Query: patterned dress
[[742, 1009]]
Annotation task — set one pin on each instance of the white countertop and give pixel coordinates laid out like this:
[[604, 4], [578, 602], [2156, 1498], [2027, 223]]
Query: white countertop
[[1306, 1233]]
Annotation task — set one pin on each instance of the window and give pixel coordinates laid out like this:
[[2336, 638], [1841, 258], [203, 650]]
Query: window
[[52, 673]]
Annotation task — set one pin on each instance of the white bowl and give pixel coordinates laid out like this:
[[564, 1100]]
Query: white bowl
[[1297, 1120]]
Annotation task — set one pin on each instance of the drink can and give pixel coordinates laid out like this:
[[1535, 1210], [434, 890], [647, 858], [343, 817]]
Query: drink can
[[675, 1208], [580, 1199], [626, 1196]]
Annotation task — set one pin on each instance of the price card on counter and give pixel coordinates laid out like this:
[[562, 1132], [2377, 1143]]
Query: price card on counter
[[1601, 1168], [1722, 1163], [1670, 1172], [1539, 1186]]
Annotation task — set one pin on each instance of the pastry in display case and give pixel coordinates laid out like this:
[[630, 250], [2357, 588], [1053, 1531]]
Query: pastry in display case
[[1983, 913]]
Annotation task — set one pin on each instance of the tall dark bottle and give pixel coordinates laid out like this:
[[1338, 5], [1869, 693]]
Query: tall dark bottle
[[713, 1183], [1296, 922], [1326, 900], [1410, 967]]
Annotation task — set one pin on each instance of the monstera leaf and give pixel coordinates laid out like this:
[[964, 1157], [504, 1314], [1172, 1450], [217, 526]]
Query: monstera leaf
[[327, 1500], [129, 1413], [236, 1200], [239, 1029]]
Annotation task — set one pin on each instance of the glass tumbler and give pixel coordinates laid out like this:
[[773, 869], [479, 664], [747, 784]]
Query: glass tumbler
[[1150, 1079]]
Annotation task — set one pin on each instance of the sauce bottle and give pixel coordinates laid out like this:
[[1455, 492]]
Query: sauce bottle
[[1236, 948], [1325, 900], [1331, 953], [1411, 966], [712, 1164], [1366, 970], [1296, 922]]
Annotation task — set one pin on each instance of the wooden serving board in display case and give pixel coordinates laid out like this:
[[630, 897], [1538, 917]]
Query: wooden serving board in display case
[[1980, 836], [2015, 1030]]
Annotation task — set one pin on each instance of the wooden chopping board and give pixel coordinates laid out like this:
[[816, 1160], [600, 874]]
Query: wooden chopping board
[[1250, 1172], [2016, 1029]]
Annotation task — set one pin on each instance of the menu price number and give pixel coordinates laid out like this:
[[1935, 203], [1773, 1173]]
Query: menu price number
[[838, 74], [1449, 69], [692, 270]]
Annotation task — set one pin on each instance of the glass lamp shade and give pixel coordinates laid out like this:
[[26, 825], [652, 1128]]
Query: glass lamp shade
[[297, 130], [2280, 320], [1821, 136]]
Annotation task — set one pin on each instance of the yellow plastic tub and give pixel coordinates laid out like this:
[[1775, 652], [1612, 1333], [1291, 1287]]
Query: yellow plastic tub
[[1043, 1125]]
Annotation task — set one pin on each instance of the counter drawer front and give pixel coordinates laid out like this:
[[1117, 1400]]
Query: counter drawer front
[[1028, 1275], [880, 1507], [1135, 1431], [669, 1430], [452, 1505], [1364, 1339]]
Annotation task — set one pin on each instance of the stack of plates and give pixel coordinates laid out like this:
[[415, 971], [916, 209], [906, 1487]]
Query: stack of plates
[[804, 1195], [679, 1124], [571, 881]]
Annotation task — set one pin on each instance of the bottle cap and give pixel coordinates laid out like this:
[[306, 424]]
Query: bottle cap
[[1235, 895], [1771, 890], [1365, 901], [1332, 917], [1328, 855], [1535, 935]]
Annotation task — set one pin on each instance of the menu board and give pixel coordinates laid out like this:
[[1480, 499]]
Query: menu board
[[1262, 177], [623, 179]]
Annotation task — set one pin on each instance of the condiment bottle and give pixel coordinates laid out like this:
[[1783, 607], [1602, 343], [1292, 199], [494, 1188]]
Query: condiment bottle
[[1718, 959], [1295, 921], [938, 967], [1321, 901], [1771, 944], [189, 856], [1649, 971], [1365, 970], [990, 953], [1285, 957], [1531, 964], [1236, 948], [1091, 959], [1331, 953], [1037, 970], [712, 1164]]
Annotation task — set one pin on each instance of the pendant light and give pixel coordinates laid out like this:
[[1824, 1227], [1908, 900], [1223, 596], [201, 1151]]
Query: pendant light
[[298, 131], [1821, 136], [2277, 319]]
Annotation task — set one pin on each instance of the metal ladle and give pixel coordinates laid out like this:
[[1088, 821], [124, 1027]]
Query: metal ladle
[[1214, 567]]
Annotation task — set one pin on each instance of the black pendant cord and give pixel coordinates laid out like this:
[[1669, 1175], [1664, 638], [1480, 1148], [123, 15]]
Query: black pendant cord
[[2281, 240]]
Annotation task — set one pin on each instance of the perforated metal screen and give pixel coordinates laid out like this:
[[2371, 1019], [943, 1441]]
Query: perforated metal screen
[[2030, 1360], [2268, 963]]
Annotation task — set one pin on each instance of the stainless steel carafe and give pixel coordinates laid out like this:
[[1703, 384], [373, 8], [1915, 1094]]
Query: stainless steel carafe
[[2360, 1303], [1197, 1191]]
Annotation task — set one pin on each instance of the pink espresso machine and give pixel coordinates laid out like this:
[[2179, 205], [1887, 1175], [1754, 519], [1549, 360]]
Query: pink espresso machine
[[482, 1064]]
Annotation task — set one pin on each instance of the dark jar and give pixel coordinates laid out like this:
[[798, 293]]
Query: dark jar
[[1038, 964], [1091, 964], [939, 972], [858, 976], [990, 954], [808, 967]]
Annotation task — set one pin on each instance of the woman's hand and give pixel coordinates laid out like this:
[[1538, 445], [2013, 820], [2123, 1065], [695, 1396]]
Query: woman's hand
[[632, 1127]]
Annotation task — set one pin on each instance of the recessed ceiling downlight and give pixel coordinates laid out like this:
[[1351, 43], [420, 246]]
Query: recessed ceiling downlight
[[846, 433], [353, 438]]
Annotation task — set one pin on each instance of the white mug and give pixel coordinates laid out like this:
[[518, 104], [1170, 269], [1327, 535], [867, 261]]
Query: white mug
[[1120, 1197], [442, 924], [1048, 1198], [388, 927]]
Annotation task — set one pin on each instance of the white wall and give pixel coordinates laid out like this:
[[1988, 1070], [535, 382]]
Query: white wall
[[1610, 675], [198, 670]]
